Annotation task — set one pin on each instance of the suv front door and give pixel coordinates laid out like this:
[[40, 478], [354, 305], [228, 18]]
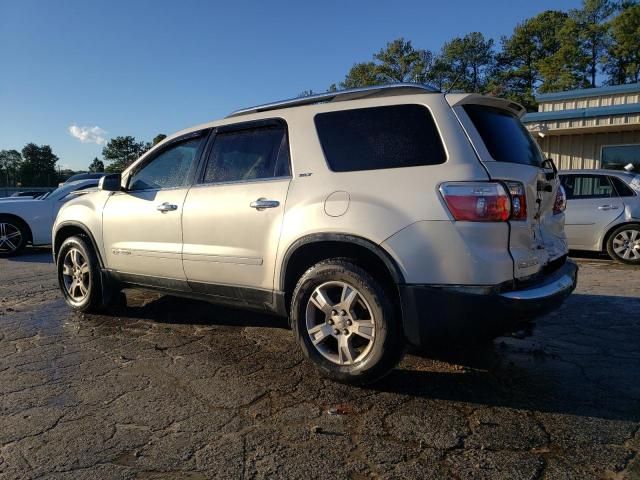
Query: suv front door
[[142, 225], [592, 205], [233, 217]]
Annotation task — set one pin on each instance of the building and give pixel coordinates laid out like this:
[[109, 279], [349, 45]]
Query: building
[[589, 128]]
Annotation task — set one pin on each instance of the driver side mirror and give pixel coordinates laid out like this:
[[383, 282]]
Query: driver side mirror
[[111, 183]]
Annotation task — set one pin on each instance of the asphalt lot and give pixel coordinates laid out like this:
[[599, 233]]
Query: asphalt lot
[[171, 388]]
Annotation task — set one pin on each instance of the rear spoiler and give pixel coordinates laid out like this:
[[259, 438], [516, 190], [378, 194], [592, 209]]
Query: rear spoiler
[[459, 99]]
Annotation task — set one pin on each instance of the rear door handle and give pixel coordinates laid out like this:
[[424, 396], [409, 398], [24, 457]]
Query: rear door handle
[[166, 207], [263, 203], [608, 207]]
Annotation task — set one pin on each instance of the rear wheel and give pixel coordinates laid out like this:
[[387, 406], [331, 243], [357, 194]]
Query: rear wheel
[[345, 322], [13, 236], [623, 244], [79, 275]]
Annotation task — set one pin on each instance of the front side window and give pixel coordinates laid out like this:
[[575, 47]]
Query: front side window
[[248, 154], [616, 157], [379, 137], [506, 139], [587, 186], [169, 169]]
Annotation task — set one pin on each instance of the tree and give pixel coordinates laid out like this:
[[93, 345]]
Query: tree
[[10, 161], [622, 60], [517, 74], [122, 152], [398, 61], [38, 167], [592, 31], [158, 138], [97, 165], [467, 61]]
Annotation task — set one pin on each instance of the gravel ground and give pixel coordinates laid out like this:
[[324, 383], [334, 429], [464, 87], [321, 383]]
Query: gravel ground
[[171, 388]]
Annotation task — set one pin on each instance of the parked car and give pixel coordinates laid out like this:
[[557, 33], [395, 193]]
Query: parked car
[[603, 212], [370, 217], [28, 193], [29, 220]]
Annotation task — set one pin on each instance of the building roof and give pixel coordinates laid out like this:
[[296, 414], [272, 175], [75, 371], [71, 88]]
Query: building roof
[[578, 113], [589, 92]]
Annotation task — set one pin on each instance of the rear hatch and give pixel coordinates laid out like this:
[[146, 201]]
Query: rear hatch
[[510, 155]]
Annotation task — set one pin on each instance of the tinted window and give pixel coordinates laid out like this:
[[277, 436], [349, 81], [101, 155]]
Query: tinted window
[[248, 154], [169, 169], [621, 187], [587, 186], [381, 137], [618, 156], [506, 139]]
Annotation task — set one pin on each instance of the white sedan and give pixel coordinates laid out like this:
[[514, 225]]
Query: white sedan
[[30, 220]]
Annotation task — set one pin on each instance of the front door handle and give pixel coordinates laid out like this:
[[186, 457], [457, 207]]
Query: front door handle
[[166, 207], [608, 207], [263, 203]]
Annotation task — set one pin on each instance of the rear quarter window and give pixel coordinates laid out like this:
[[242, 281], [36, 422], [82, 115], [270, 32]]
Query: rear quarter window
[[379, 137], [506, 139]]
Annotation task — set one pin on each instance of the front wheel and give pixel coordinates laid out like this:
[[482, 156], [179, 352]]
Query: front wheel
[[13, 236], [79, 275], [345, 322], [623, 244]]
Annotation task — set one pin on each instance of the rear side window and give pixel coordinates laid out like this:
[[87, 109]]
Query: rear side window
[[587, 186], [248, 154], [380, 137], [621, 187], [506, 139]]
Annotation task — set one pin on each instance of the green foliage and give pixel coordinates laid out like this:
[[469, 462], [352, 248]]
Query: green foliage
[[96, 166], [466, 62], [10, 161], [38, 167], [158, 138], [622, 61], [122, 152], [362, 75]]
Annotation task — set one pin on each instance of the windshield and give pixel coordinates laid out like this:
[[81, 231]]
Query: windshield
[[506, 139]]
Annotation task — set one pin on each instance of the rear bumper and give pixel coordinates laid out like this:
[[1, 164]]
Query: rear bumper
[[431, 313]]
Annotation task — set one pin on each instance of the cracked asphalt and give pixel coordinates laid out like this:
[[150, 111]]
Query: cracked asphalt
[[172, 388]]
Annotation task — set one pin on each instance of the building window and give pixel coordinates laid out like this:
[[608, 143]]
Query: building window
[[618, 156]]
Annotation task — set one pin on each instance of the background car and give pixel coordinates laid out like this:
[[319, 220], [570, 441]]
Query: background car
[[603, 212], [29, 220], [84, 176]]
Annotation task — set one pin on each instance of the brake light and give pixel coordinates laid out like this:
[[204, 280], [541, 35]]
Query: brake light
[[477, 202], [560, 204], [518, 200]]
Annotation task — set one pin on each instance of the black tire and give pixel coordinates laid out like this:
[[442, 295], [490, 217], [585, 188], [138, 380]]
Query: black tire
[[388, 343], [92, 301], [617, 236], [19, 233]]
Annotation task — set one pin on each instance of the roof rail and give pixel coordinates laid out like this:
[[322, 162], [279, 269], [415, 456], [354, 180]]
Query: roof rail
[[341, 95]]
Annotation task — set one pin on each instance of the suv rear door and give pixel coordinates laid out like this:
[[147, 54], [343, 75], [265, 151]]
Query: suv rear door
[[233, 215], [509, 154]]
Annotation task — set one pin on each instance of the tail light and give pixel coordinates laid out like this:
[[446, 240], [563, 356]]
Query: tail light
[[518, 200], [477, 202], [560, 203]]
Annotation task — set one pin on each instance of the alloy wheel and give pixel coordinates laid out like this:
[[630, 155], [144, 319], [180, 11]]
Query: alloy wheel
[[76, 275], [10, 237], [340, 323], [626, 244]]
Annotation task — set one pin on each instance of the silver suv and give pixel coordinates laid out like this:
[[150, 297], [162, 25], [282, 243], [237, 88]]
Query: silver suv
[[370, 217]]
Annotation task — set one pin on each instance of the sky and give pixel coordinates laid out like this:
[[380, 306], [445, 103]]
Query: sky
[[76, 73]]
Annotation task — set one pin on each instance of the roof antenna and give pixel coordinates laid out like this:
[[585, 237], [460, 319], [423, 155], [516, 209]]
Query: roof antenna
[[454, 83]]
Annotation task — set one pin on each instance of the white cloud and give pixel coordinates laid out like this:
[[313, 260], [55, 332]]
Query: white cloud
[[88, 134]]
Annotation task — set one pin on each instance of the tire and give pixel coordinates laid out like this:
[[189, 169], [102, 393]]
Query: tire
[[79, 279], [14, 236], [340, 329], [623, 242]]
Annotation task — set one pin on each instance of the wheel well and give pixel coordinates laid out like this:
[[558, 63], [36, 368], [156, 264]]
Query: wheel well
[[605, 239], [309, 254], [19, 220], [67, 231]]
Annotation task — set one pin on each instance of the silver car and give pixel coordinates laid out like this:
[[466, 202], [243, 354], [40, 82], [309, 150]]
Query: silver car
[[603, 212]]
